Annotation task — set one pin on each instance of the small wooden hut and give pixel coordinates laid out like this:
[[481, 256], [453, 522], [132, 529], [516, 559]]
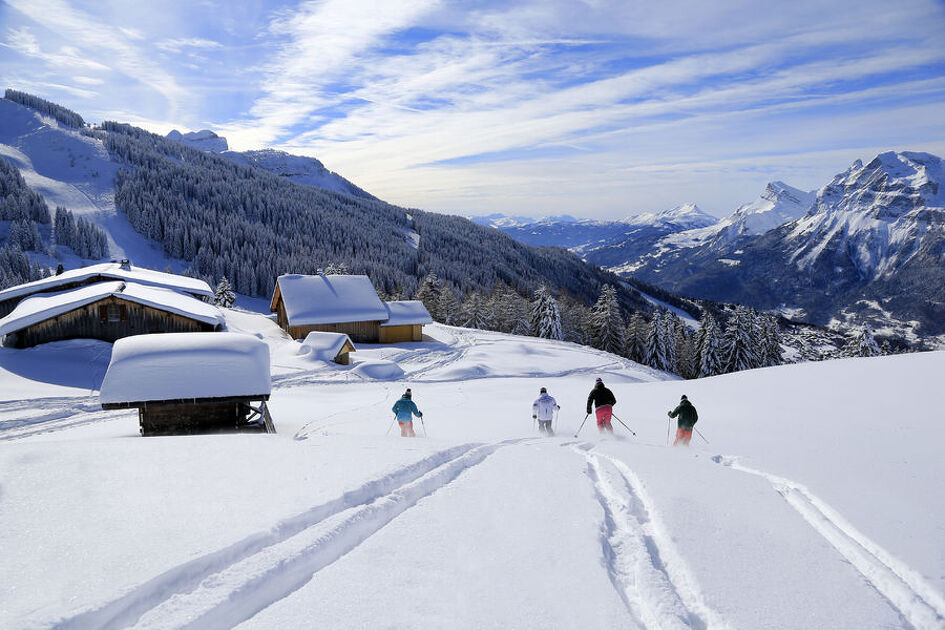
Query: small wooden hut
[[326, 346], [108, 311], [405, 320], [337, 303], [191, 383], [105, 272]]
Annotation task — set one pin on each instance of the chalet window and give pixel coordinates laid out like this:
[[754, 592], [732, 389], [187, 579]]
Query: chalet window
[[114, 313]]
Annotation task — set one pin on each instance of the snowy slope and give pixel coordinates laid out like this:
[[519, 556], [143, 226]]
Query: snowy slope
[[203, 140], [805, 511], [298, 168], [76, 172], [685, 217]]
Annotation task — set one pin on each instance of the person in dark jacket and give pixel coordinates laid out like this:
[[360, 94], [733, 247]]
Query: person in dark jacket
[[687, 419], [603, 401], [406, 409]]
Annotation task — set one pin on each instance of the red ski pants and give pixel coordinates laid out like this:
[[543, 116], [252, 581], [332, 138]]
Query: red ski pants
[[682, 437], [603, 418], [406, 429]]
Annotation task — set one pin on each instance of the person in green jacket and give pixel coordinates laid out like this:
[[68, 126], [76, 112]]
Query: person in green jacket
[[687, 419]]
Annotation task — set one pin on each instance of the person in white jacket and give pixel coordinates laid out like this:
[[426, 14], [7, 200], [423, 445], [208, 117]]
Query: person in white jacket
[[543, 409]]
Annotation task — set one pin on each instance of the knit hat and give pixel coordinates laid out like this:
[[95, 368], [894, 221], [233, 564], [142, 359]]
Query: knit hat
[[683, 397], [543, 390], [598, 380], [407, 393]]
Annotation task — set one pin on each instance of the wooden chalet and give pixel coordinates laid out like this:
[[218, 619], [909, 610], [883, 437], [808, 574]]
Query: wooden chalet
[[405, 320], [327, 346], [108, 311], [191, 383], [337, 303], [105, 272]]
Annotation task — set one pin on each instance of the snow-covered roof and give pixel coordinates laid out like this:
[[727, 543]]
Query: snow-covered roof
[[336, 299], [178, 366], [111, 270], [325, 345], [43, 306], [406, 313]]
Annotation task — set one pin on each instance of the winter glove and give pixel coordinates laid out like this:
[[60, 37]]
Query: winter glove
[[534, 416], [558, 407], [420, 413]]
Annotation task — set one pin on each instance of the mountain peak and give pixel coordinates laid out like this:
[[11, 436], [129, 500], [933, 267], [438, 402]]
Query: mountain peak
[[685, 217], [203, 140]]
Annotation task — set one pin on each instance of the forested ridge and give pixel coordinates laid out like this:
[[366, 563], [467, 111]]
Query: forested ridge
[[251, 226]]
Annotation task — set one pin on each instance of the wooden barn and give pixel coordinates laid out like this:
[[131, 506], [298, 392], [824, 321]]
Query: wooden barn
[[105, 272], [337, 303], [108, 311], [405, 320], [191, 383], [326, 346]]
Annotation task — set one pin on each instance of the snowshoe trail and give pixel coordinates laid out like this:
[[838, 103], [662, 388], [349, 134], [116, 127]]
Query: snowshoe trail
[[229, 586], [644, 567], [907, 591]]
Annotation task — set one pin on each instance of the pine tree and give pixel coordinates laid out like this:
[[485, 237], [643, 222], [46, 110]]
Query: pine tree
[[740, 349], [474, 312], [685, 355], [652, 346], [667, 342], [772, 353], [429, 293], [862, 344], [636, 334], [448, 307], [546, 319], [709, 347], [607, 325], [224, 295]]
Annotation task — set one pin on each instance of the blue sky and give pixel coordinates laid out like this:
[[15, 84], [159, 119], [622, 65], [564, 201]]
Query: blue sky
[[595, 108]]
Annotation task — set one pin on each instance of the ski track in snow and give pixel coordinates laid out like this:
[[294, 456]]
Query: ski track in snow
[[226, 587], [24, 418], [644, 567], [920, 605]]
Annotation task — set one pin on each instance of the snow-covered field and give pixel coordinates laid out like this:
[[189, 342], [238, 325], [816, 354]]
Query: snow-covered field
[[817, 504]]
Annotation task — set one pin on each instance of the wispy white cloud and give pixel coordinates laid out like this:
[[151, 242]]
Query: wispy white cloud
[[102, 44], [182, 43]]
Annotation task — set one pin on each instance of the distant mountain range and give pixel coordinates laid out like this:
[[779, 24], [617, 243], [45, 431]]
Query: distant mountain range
[[867, 246]]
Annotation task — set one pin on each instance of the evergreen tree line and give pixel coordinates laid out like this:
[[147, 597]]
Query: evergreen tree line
[[232, 220], [85, 238], [660, 339], [60, 113]]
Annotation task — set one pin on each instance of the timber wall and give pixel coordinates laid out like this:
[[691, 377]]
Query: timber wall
[[91, 322]]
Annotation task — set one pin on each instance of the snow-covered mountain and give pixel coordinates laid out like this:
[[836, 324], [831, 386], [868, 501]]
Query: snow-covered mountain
[[203, 140], [871, 245], [685, 217], [297, 168]]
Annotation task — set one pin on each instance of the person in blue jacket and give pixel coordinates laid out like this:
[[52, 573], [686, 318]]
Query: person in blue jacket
[[406, 409]]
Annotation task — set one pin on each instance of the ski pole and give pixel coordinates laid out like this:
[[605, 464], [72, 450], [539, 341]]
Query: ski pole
[[624, 424], [423, 426], [391, 425], [582, 425], [700, 435], [669, 427]]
